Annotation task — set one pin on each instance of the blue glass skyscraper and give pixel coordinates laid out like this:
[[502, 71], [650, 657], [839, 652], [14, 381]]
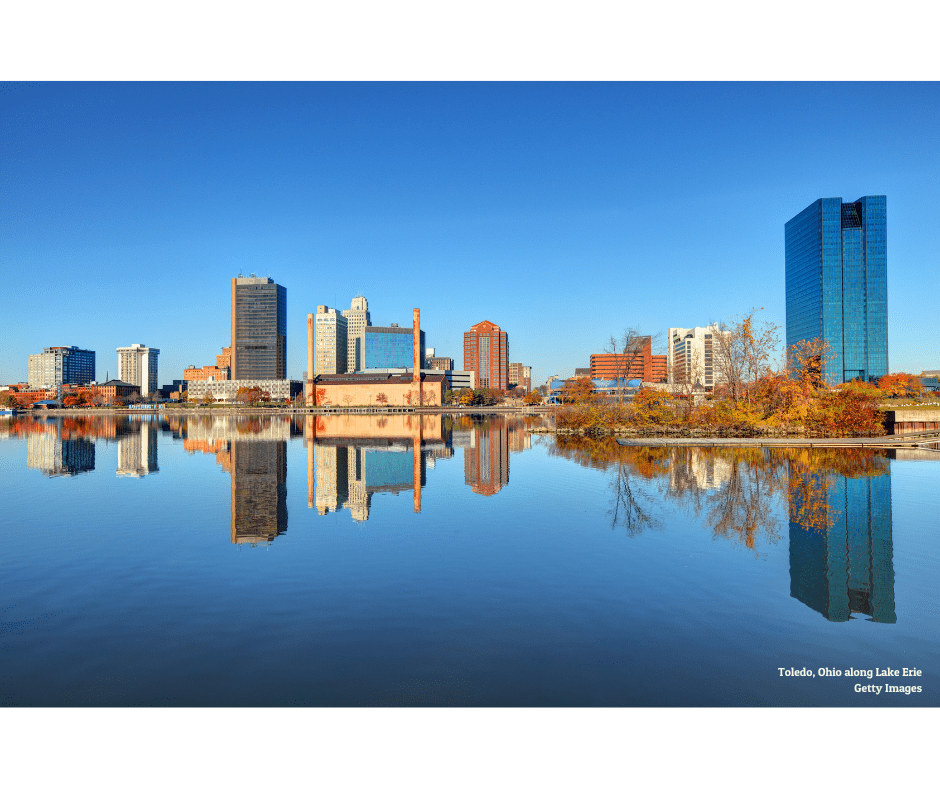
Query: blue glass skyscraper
[[837, 284], [390, 348]]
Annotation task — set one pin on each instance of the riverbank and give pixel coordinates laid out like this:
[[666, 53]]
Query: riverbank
[[907, 441], [244, 410]]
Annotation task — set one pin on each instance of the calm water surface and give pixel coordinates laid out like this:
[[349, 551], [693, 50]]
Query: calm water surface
[[359, 560]]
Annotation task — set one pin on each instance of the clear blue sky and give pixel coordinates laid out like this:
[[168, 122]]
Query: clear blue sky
[[564, 212]]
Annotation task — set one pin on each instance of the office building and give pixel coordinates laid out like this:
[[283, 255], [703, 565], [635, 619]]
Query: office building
[[259, 329], [227, 390], [520, 375], [137, 364], [331, 341], [637, 363], [433, 361], [690, 357], [58, 365], [391, 347], [357, 319], [837, 287], [204, 373], [486, 352]]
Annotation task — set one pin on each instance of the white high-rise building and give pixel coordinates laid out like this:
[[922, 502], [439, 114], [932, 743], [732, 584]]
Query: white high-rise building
[[357, 318], [137, 365], [691, 356], [61, 364], [331, 342]]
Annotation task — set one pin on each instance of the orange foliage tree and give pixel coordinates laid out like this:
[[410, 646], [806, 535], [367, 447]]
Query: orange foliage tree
[[900, 384], [579, 390]]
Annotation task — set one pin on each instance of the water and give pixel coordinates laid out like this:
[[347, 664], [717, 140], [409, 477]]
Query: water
[[322, 562]]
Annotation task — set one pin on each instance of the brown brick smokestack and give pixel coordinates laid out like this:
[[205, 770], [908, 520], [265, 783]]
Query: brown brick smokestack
[[308, 383], [416, 342]]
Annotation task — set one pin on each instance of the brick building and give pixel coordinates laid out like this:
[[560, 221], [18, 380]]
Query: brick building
[[637, 363], [486, 352], [204, 373], [520, 375], [367, 389]]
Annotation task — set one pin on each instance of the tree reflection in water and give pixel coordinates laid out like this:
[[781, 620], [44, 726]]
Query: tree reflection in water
[[744, 494]]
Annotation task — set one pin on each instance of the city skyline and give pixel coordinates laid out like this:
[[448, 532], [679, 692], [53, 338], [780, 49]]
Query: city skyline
[[424, 191]]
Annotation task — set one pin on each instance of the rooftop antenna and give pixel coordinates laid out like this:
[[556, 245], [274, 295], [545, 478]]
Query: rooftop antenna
[[239, 273]]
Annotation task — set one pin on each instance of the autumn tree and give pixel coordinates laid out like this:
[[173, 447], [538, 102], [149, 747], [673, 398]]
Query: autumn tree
[[650, 407], [532, 398], [347, 398], [578, 390], [252, 395], [381, 399], [743, 350], [807, 361], [687, 382], [628, 353], [320, 397], [900, 384]]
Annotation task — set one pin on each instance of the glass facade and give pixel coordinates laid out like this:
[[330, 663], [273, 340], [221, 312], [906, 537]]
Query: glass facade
[[390, 348], [61, 365], [837, 286], [259, 329], [845, 568]]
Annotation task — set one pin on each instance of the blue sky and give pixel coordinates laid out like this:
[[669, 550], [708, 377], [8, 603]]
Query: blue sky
[[564, 212]]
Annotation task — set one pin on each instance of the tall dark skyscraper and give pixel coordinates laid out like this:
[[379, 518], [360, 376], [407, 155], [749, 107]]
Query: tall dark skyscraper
[[259, 329], [837, 285]]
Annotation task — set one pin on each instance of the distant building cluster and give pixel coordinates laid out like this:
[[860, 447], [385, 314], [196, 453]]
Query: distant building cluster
[[354, 363]]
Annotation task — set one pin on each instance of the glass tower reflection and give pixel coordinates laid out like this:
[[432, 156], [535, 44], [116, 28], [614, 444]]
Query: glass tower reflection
[[843, 563]]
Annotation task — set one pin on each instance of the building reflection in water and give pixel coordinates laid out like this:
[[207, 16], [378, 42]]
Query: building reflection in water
[[53, 454], [350, 458], [259, 491], [137, 451], [837, 504], [254, 451], [846, 566], [487, 443]]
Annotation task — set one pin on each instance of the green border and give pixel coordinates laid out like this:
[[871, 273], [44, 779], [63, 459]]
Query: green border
[[486, 39], [544, 40]]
